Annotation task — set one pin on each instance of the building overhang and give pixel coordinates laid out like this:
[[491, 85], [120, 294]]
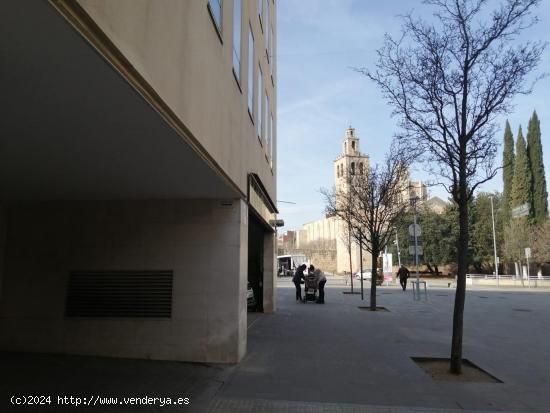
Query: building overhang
[[74, 127], [260, 202]]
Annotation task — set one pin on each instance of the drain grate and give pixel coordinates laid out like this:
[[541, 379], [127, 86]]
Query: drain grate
[[522, 310], [442, 295], [482, 296]]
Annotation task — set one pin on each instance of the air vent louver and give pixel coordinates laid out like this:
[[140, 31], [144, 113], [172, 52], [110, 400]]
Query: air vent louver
[[120, 294]]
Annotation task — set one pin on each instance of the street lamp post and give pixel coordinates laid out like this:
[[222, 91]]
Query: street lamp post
[[414, 200], [495, 243], [398, 252]]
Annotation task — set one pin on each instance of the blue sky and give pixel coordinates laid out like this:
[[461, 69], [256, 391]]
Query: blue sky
[[319, 94]]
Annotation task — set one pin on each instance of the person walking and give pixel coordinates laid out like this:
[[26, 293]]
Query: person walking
[[321, 281], [403, 273], [297, 280]]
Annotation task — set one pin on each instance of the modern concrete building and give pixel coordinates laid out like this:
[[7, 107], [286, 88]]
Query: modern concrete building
[[137, 176]]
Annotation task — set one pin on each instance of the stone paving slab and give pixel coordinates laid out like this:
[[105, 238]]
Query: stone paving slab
[[222, 405], [336, 353], [330, 358]]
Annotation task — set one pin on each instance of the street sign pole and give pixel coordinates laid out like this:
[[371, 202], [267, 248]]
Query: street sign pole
[[361, 261], [416, 248], [398, 252], [495, 244], [416, 257], [527, 255]]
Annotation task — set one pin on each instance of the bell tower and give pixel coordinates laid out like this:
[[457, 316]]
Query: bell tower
[[350, 145], [349, 164], [350, 161]]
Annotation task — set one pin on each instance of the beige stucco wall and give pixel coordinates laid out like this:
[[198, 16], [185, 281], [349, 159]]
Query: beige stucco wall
[[174, 45], [202, 241], [325, 229], [342, 255]]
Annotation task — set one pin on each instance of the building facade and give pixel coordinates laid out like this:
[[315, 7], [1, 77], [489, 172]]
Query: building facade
[[137, 176]]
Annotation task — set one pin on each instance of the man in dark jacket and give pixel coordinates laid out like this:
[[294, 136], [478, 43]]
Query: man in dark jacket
[[403, 273], [297, 279]]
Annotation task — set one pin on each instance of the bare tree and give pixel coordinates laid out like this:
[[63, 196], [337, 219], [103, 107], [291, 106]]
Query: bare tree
[[447, 81], [370, 204], [346, 235]]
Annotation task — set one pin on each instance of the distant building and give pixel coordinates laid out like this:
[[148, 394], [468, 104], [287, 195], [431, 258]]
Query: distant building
[[436, 205], [331, 231]]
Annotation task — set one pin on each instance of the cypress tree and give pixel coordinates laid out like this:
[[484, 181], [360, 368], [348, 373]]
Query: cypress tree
[[507, 171], [521, 184], [539, 206]]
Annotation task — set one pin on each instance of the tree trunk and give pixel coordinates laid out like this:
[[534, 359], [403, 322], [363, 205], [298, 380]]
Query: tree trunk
[[430, 269], [436, 269], [373, 278], [460, 296]]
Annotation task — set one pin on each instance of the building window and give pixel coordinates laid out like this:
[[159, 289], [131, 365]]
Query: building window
[[261, 13], [353, 168], [271, 54], [215, 8], [251, 73], [266, 124], [353, 145], [361, 168], [272, 138], [266, 31], [237, 39], [259, 99]]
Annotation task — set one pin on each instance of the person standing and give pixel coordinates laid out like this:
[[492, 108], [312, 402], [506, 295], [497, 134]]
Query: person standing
[[403, 273], [321, 281], [297, 280]]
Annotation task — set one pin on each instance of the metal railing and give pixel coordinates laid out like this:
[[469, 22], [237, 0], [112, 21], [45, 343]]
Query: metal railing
[[506, 279]]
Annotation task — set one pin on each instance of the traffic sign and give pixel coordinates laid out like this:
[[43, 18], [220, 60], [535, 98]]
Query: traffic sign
[[418, 241], [527, 252], [412, 230]]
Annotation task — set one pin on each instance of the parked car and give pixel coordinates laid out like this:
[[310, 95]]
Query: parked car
[[250, 300], [366, 275]]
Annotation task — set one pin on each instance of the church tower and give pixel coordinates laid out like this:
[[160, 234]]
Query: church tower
[[350, 161]]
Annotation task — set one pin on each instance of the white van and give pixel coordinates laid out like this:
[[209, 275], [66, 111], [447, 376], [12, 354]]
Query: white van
[[287, 264]]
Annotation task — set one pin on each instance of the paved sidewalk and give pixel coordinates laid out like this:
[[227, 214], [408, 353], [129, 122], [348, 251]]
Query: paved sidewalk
[[328, 358], [336, 354]]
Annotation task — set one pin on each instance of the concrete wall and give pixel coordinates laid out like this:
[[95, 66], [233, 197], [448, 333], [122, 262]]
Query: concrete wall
[[202, 241], [174, 45], [323, 259], [3, 228], [270, 273]]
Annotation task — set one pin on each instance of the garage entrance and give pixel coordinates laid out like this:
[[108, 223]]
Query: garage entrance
[[256, 233]]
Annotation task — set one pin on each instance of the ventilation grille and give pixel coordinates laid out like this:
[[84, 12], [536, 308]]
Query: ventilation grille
[[120, 294]]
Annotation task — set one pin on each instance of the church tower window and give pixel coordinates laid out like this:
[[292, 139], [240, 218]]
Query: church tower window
[[353, 168]]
